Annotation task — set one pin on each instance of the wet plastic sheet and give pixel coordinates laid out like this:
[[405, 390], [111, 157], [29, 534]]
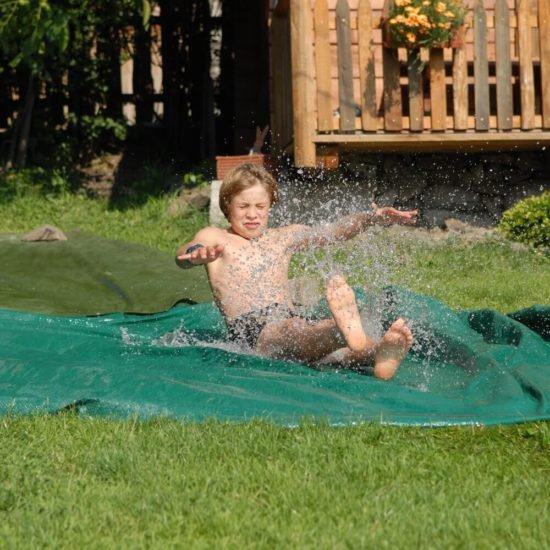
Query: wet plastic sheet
[[469, 367]]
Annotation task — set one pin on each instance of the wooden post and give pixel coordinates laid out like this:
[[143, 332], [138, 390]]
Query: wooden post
[[281, 84], [345, 69], [322, 67], [367, 76], [393, 112], [303, 88], [460, 88], [503, 66], [438, 94], [526, 79], [481, 67], [544, 36], [416, 92]]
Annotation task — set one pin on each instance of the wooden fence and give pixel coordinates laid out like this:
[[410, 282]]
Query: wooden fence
[[349, 91]]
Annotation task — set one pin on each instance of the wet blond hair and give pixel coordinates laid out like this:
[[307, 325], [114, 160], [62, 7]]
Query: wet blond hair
[[242, 177]]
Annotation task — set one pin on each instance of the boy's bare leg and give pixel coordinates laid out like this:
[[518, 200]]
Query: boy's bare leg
[[342, 304], [300, 340], [385, 356]]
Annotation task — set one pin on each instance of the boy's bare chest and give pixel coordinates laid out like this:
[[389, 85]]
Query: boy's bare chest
[[257, 260]]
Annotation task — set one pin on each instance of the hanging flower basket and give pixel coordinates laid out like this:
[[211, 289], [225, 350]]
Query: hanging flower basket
[[414, 24]]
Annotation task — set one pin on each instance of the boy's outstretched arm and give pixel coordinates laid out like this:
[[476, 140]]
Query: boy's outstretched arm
[[351, 225], [203, 249]]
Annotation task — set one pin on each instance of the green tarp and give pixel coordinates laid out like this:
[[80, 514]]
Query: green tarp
[[466, 367], [87, 275]]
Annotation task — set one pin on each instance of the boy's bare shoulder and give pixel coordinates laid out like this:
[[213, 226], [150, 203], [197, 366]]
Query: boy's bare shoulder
[[291, 234], [210, 235]]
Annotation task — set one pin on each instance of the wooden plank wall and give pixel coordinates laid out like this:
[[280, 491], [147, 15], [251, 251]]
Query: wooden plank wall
[[491, 83]]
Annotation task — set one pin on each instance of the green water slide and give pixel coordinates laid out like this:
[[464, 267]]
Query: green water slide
[[104, 327]]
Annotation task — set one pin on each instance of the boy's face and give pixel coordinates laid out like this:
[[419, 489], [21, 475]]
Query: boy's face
[[249, 211]]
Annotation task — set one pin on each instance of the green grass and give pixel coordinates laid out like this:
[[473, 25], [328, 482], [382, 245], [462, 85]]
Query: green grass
[[147, 222], [70, 482], [483, 275]]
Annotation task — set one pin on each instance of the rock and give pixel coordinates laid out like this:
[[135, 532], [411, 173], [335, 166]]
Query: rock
[[198, 198], [45, 233], [215, 214]]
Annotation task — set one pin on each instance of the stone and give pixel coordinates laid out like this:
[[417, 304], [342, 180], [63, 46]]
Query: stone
[[200, 198], [216, 216], [45, 233]]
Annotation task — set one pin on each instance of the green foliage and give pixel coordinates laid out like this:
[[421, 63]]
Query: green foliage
[[98, 133], [70, 51], [32, 33], [33, 183], [194, 179], [528, 221]]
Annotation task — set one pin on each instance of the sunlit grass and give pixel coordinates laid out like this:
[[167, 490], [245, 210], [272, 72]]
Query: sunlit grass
[[72, 482], [148, 222]]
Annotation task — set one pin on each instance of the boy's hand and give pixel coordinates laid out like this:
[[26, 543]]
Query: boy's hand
[[203, 255], [388, 215]]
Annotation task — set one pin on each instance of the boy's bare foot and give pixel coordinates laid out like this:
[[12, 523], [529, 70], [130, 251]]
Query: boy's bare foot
[[341, 301], [392, 349]]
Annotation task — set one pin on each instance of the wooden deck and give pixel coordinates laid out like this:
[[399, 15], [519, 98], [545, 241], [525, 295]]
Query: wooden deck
[[350, 92]]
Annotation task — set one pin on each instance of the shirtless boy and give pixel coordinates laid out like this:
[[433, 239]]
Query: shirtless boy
[[247, 267]]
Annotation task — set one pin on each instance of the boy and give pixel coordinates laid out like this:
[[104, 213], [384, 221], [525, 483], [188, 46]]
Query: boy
[[247, 267]]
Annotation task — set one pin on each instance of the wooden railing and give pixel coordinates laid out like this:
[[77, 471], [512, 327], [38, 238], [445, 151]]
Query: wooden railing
[[349, 91]]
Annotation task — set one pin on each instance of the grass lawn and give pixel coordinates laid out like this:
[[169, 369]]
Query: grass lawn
[[75, 482]]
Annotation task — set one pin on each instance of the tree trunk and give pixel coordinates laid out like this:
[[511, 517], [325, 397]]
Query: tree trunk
[[22, 128]]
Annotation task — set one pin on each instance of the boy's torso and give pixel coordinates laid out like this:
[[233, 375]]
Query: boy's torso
[[251, 274]]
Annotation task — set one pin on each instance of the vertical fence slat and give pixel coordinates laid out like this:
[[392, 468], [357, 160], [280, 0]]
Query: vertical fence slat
[[416, 92], [525, 50], [281, 84], [345, 69], [303, 91], [503, 66], [322, 67], [367, 76], [460, 88], [438, 95], [393, 112], [544, 40], [481, 67]]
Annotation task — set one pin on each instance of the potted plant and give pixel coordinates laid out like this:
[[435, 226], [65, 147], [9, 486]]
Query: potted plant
[[415, 24]]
